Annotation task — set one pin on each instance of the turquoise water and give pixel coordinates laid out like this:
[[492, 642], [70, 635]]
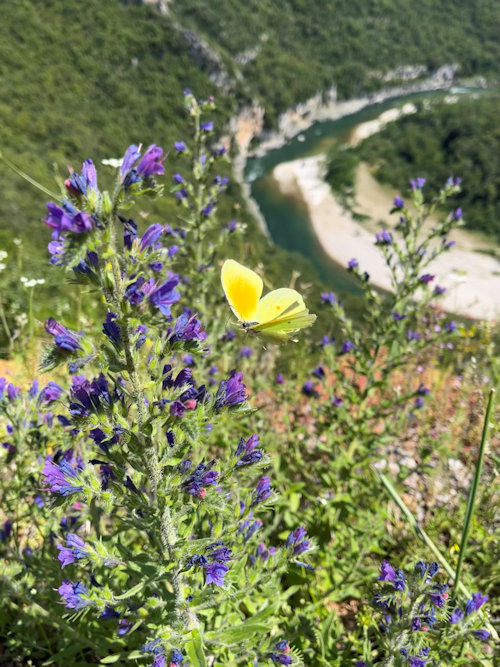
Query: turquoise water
[[286, 218]]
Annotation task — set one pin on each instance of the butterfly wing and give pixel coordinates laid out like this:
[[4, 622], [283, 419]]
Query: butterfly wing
[[243, 288], [280, 314]]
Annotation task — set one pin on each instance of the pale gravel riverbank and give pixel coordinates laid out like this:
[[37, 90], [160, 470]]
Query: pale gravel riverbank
[[472, 278]]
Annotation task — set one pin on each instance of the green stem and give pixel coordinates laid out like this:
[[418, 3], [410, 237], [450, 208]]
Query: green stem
[[5, 325], [24, 175], [425, 538], [469, 513]]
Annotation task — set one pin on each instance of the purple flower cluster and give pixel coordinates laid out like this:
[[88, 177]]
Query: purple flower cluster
[[202, 476], [150, 164], [396, 577], [296, 542], [64, 219], [231, 392], [417, 184], [471, 606], [73, 594], [262, 491], [246, 452], [7, 389], [329, 297], [383, 238], [65, 339], [214, 563], [62, 477], [165, 295], [75, 549], [186, 328], [280, 653], [80, 184]]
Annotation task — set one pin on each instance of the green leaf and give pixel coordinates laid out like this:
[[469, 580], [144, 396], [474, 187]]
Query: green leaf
[[194, 650], [132, 591], [110, 659]]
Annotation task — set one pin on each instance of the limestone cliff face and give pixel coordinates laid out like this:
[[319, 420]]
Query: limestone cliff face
[[248, 124]]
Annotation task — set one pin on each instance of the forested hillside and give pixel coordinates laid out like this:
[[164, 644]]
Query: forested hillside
[[462, 139], [84, 79], [287, 50]]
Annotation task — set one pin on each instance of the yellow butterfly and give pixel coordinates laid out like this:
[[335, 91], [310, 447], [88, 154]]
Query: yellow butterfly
[[276, 317]]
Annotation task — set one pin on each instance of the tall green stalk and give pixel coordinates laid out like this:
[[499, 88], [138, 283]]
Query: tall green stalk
[[469, 513]]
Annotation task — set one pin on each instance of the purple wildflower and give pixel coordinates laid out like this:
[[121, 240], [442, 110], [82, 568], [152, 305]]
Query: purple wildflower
[[456, 616], [308, 388], [329, 297], [132, 154], [6, 530], [151, 162], [296, 541], [180, 146], [176, 658], [80, 184], [347, 346], [279, 379], [65, 339], [457, 214], [319, 372], [387, 572], [415, 661], [165, 295], [215, 573], [417, 184], [61, 478], [450, 327], [51, 392], [72, 593], [426, 278], [383, 238], [230, 392], [475, 603], [67, 219], [247, 453], [187, 328], [111, 329], [151, 235], [438, 290], [483, 635], [352, 264], [208, 126], [246, 351], [262, 491], [399, 203], [75, 548]]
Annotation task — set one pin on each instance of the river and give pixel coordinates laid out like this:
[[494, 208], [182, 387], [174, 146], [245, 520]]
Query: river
[[286, 218]]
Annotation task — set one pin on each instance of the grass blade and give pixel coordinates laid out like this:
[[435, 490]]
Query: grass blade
[[469, 513], [428, 541]]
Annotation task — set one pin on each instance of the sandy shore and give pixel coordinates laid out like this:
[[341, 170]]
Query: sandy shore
[[472, 278]]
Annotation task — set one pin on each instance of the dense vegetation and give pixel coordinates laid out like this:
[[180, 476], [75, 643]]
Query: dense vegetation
[[460, 139], [83, 79], [298, 48], [79, 80], [176, 491]]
